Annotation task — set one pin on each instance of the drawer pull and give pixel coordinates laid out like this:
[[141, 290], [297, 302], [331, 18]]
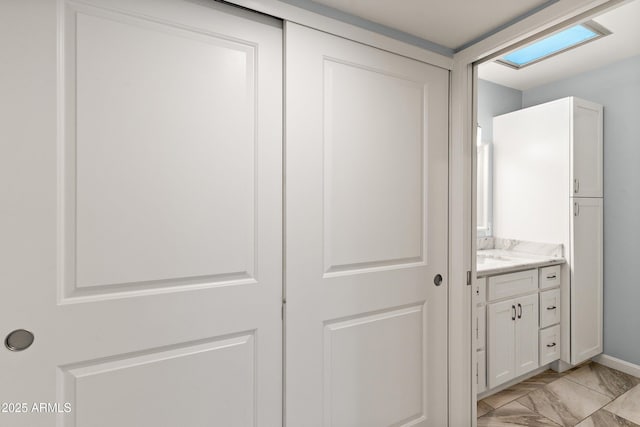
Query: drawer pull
[[553, 307], [551, 276], [551, 345], [519, 311]]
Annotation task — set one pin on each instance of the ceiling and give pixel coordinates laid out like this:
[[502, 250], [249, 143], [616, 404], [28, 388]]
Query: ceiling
[[624, 42], [453, 24]]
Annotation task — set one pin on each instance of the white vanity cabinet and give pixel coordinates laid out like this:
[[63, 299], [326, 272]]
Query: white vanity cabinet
[[523, 315], [512, 338]]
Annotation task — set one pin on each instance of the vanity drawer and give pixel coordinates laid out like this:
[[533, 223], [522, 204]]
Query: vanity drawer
[[549, 344], [549, 308], [480, 290], [512, 284], [550, 277]]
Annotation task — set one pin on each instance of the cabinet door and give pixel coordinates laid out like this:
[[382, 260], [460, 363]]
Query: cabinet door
[[501, 345], [586, 279], [481, 327], [586, 149], [526, 334], [481, 371]]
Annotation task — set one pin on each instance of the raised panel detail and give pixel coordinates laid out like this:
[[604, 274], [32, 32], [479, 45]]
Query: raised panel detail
[[149, 201], [374, 132], [157, 388], [374, 369]]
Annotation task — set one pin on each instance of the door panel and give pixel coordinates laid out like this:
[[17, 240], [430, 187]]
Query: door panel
[[586, 279], [501, 346], [366, 233], [200, 367], [527, 334], [142, 235], [372, 168], [586, 148], [120, 151], [367, 362]]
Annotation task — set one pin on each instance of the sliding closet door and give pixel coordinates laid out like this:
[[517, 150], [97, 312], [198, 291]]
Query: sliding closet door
[[141, 223], [366, 235]]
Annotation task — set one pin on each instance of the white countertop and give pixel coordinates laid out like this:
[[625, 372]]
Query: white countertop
[[498, 261]]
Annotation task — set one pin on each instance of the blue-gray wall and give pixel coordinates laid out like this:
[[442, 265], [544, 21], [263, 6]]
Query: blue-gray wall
[[617, 87], [494, 100]]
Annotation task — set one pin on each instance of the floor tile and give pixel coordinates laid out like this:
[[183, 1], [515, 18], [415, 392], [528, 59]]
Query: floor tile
[[483, 408], [514, 414], [603, 380], [565, 402], [627, 405], [604, 418], [549, 376], [516, 391]]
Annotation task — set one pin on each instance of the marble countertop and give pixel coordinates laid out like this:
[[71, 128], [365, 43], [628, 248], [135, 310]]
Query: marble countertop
[[497, 256]]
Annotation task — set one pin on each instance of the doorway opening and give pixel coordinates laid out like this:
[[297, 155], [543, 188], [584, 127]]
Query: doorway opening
[[592, 74]]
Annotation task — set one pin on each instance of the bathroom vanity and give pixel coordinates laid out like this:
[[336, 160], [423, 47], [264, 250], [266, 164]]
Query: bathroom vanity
[[518, 310]]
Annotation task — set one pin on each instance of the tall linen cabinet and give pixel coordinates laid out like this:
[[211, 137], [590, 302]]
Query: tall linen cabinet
[[547, 187]]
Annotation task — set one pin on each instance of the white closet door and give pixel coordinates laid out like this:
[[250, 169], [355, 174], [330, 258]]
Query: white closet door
[[141, 220], [366, 233]]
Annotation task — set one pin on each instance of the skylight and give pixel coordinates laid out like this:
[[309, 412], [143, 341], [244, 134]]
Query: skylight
[[554, 44]]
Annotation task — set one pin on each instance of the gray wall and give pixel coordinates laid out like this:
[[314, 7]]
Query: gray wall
[[617, 87], [493, 100]]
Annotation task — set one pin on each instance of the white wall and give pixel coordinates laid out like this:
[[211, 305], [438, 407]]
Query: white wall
[[494, 100]]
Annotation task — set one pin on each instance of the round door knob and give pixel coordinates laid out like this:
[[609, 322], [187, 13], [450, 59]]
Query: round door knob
[[19, 340], [437, 280]]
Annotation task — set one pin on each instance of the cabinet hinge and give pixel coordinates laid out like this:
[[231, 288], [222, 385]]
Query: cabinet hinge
[[468, 278]]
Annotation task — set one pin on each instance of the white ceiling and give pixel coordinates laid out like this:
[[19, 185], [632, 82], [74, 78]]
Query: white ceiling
[[450, 23], [624, 42]]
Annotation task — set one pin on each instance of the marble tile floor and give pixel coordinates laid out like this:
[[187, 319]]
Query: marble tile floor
[[585, 396]]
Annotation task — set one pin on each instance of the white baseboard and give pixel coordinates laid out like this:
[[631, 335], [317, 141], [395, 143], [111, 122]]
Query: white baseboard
[[619, 364]]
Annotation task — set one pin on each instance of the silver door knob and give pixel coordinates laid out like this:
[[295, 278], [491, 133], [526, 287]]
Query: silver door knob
[[19, 340]]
